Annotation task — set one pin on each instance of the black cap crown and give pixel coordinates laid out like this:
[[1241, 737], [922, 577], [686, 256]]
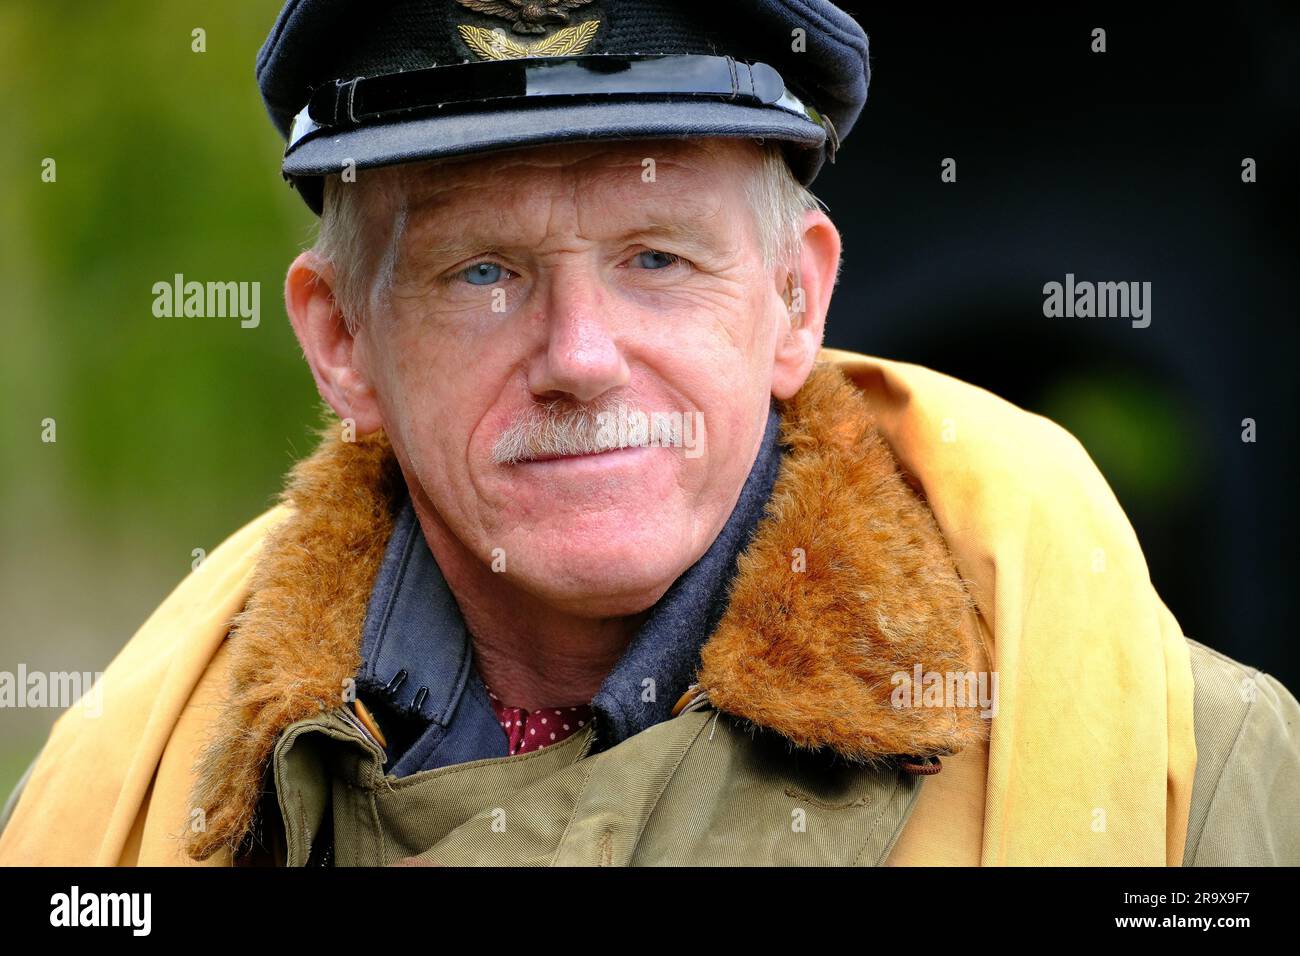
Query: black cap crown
[[372, 85]]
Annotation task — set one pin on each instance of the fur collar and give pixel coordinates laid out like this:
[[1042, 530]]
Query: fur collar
[[807, 652]]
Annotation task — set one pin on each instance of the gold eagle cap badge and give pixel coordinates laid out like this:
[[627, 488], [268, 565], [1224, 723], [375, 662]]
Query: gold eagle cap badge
[[527, 18]]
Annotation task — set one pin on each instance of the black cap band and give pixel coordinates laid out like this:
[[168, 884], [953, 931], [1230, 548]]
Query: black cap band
[[489, 85]]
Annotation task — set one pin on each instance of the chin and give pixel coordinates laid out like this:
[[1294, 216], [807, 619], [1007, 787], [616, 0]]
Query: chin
[[609, 580]]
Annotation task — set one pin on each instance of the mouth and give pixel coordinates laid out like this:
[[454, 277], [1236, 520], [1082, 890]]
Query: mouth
[[608, 456], [586, 454]]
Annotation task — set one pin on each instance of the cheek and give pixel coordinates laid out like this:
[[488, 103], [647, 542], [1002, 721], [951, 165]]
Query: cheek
[[446, 401], [733, 393], [741, 335], [423, 395], [723, 365], [764, 318], [736, 392]]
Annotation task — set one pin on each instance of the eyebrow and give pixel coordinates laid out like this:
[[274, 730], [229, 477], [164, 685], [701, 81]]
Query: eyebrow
[[693, 231]]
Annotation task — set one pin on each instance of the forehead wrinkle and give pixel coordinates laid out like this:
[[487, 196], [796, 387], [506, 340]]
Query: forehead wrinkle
[[565, 222], [505, 170], [491, 203], [559, 201]]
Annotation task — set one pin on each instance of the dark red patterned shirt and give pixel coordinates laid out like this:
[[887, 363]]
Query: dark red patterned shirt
[[545, 726]]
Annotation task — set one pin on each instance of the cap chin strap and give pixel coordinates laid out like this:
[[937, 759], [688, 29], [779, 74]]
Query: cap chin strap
[[592, 78]]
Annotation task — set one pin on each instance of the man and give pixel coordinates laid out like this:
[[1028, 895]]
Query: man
[[604, 560]]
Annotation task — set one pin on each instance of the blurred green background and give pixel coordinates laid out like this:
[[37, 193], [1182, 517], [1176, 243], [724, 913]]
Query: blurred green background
[[171, 432]]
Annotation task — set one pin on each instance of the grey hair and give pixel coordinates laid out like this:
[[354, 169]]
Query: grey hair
[[363, 257], [779, 202]]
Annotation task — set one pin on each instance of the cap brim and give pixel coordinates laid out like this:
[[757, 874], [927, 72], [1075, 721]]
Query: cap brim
[[434, 137]]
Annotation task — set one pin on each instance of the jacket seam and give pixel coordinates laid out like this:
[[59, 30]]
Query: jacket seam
[[668, 782], [573, 815], [895, 782]]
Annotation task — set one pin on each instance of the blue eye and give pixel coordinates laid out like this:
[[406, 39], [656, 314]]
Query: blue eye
[[653, 259], [483, 273]]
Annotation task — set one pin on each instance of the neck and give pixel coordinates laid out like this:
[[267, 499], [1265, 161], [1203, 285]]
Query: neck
[[559, 659]]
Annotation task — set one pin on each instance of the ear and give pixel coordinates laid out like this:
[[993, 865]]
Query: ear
[[799, 339], [329, 346]]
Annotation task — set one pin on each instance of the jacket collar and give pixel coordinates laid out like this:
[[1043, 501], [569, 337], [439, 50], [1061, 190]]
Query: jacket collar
[[845, 583]]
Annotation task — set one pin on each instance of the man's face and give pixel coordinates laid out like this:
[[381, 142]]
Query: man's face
[[579, 275]]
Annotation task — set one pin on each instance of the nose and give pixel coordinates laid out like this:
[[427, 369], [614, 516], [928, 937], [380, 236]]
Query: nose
[[580, 355]]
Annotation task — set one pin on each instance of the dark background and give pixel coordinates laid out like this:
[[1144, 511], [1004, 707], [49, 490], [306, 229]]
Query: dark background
[[1121, 166]]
